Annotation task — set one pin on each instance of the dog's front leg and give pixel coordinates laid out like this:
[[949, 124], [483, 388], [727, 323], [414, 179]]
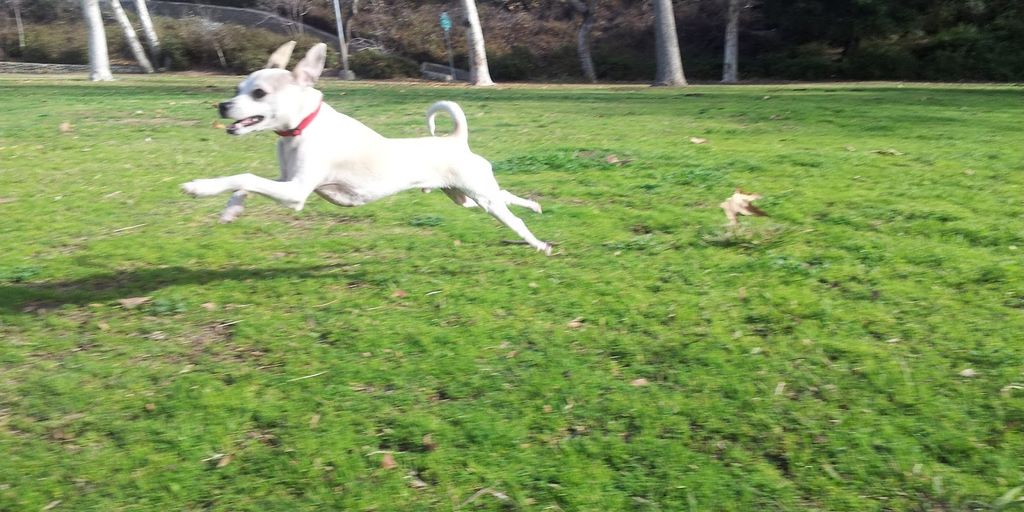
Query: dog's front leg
[[291, 193], [235, 207]]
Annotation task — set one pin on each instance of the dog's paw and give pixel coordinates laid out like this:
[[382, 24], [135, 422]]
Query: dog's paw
[[231, 213], [546, 249], [199, 188], [535, 206]]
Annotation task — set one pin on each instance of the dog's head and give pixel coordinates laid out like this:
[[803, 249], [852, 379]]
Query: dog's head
[[272, 98]]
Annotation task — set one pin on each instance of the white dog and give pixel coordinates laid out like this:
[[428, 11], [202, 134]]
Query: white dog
[[342, 160]]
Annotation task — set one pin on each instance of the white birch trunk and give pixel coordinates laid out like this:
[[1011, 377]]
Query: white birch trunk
[[478, 72], [99, 62], [17, 21], [670, 63], [129, 35], [730, 61], [148, 30]]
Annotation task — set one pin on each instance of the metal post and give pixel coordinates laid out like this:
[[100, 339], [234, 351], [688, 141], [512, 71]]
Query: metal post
[[345, 73]]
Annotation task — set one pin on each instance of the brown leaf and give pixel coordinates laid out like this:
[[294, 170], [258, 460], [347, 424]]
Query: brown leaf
[[429, 443], [576, 323], [698, 140], [314, 421], [742, 294], [133, 302], [639, 382], [218, 125], [66, 127], [548, 408], [209, 306], [225, 460], [151, 407], [399, 294], [103, 326], [740, 203], [968, 373], [388, 462]]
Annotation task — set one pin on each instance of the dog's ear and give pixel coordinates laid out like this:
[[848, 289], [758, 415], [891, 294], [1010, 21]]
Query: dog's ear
[[280, 57], [308, 70]]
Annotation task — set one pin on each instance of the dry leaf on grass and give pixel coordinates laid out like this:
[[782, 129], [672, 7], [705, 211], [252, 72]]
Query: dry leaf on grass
[[151, 407], [399, 294], [740, 203], [429, 443], [888, 152], [209, 306], [968, 373], [133, 302], [388, 461], [576, 323], [698, 140], [218, 125], [639, 382], [314, 421], [225, 460], [66, 127]]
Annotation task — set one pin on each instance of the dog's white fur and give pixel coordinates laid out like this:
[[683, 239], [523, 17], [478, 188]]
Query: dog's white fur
[[344, 161]]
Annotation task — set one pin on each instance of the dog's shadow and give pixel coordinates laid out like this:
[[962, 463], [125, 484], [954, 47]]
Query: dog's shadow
[[110, 286]]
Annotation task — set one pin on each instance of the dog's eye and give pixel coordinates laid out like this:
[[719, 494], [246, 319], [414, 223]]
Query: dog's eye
[[259, 93]]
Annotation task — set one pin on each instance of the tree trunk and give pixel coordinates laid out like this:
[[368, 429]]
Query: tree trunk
[[670, 63], [148, 30], [588, 10], [99, 63], [345, 74], [478, 72], [17, 21], [730, 62], [129, 35]]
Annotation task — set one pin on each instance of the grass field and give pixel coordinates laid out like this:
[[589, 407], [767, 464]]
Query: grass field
[[859, 349]]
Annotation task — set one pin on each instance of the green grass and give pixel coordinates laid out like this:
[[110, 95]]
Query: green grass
[[810, 360]]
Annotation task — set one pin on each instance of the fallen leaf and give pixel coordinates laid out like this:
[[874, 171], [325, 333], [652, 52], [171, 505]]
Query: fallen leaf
[[218, 125], [775, 117], [698, 140], [779, 388], [888, 152], [415, 482], [209, 306], [742, 293], [388, 462], [740, 203], [576, 323], [225, 460], [51, 505], [133, 302], [428, 442], [66, 127], [314, 421], [399, 294], [968, 373], [639, 382], [103, 326], [548, 408], [151, 407]]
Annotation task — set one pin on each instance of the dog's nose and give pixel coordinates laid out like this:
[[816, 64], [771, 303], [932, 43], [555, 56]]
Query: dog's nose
[[223, 108]]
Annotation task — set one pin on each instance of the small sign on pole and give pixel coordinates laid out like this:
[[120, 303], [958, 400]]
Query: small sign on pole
[[446, 25]]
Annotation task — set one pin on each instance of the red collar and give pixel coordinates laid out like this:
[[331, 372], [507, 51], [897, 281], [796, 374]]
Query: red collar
[[295, 132]]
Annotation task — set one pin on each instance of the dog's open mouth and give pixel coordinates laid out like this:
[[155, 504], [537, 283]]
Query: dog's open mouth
[[244, 123]]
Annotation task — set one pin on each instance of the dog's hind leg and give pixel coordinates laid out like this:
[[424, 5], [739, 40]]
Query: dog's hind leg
[[235, 207], [511, 198], [459, 198], [499, 210]]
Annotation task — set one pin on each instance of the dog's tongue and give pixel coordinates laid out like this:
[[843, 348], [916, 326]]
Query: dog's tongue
[[249, 121]]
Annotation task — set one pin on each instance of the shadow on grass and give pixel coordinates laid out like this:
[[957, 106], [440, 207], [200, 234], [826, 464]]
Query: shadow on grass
[[106, 287]]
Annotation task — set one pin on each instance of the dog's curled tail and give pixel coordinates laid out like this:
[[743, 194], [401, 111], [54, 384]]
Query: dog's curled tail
[[461, 129]]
